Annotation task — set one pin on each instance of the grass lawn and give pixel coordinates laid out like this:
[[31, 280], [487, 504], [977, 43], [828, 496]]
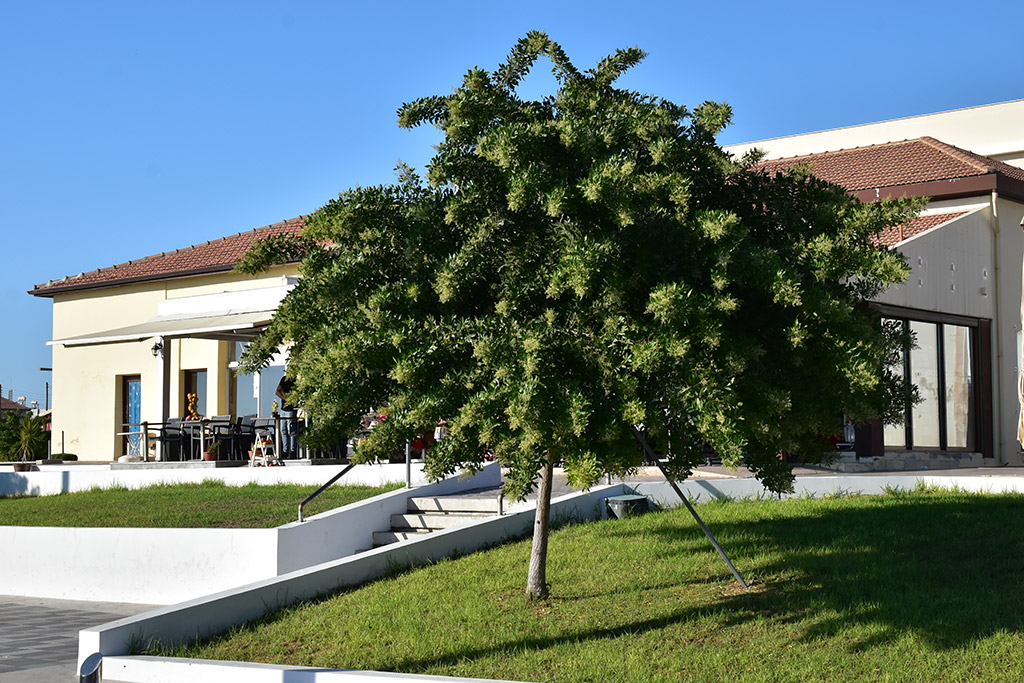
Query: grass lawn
[[210, 504], [903, 587]]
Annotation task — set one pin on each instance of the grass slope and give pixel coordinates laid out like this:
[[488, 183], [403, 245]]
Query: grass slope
[[903, 587], [210, 504]]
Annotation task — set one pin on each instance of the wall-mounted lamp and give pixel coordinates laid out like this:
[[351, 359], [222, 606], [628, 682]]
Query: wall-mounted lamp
[[157, 348]]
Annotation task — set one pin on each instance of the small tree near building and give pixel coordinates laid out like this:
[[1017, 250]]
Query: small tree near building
[[578, 266]]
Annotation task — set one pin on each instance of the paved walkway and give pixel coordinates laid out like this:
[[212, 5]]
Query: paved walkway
[[39, 637]]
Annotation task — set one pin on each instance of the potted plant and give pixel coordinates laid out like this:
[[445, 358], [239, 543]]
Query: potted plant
[[211, 451], [31, 442]]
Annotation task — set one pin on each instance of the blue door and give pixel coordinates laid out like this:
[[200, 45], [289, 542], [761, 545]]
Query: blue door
[[132, 414]]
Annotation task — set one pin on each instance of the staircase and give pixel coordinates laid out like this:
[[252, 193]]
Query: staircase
[[425, 515]]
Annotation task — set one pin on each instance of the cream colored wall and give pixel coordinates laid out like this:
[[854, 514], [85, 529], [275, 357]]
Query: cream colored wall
[[949, 268], [86, 378], [1011, 278], [995, 130], [973, 267]]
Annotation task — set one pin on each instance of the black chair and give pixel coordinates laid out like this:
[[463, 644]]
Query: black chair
[[222, 433], [170, 439], [245, 435], [193, 438]]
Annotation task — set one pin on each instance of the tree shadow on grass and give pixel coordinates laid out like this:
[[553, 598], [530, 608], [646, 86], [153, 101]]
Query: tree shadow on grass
[[947, 570]]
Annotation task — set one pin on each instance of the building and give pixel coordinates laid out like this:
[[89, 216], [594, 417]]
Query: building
[[7, 405], [132, 340], [963, 297]]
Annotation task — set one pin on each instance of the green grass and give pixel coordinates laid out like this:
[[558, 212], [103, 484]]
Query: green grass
[[902, 587], [210, 504]]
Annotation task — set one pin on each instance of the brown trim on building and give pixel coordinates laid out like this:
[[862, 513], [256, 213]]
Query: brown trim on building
[[983, 390], [52, 290], [937, 189]]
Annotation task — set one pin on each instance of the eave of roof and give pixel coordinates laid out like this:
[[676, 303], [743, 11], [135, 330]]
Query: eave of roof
[[922, 167], [215, 256]]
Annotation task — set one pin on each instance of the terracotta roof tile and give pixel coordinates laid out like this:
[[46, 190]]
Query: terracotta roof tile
[[8, 404], [893, 236], [895, 163], [209, 257]]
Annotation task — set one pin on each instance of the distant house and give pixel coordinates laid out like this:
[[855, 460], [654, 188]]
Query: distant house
[[7, 405], [132, 340], [963, 297]]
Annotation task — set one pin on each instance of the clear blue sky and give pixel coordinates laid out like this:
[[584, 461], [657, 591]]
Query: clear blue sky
[[130, 128]]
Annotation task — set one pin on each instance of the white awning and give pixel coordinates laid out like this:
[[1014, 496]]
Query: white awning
[[228, 326]]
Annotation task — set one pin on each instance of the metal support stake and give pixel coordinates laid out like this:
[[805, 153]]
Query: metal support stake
[[145, 441], [707, 532], [408, 465], [277, 436]]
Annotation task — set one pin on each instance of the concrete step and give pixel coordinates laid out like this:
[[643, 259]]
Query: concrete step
[[435, 520], [393, 536], [488, 504]]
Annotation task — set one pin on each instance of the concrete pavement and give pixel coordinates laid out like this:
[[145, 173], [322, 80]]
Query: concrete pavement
[[39, 637]]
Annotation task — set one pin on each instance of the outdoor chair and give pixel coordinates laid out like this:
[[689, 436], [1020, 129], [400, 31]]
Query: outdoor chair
[[170, 439]]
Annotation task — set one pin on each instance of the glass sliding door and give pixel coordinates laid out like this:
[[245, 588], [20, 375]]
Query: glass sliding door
[[958, 374], [924, 373]]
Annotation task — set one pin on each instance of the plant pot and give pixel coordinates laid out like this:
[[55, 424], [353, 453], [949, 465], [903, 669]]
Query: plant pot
[[22, 466], [209, 456]]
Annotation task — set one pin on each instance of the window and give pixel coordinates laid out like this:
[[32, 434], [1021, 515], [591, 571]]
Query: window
[[252, 394], [945, 366], [194, 382]]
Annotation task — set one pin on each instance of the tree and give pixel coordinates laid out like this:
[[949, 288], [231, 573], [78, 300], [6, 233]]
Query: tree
[[31, 437], [10, 432], [579, 266]]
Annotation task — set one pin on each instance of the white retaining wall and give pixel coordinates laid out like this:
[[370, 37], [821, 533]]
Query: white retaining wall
[[704, 490], [152, 669], [166, 566], [54, 479], [215, 613], [202, 617]]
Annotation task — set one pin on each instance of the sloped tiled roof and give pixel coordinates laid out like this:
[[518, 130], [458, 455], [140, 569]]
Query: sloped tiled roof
[[908, 162], [8, 404], [209, 257], [893, 236]]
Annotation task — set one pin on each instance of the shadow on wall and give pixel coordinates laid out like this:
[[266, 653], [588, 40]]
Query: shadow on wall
[[14, 484]]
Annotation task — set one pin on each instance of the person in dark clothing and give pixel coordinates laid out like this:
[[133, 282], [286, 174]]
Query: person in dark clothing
[[287, 414]]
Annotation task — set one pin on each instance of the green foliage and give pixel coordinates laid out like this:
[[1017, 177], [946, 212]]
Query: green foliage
[[32, 438], [209, 504], [582, 264], [10, 431]]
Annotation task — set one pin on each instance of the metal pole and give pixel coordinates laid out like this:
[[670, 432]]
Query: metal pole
[[707, 532], [320, 490], [408, 465], [145, 441], [277, 436], [92, 669]]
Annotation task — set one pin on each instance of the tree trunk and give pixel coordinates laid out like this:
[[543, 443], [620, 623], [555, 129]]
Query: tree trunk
[[536, 581]]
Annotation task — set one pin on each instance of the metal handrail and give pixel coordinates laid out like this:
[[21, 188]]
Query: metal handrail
[[91, 670], [323, 488]]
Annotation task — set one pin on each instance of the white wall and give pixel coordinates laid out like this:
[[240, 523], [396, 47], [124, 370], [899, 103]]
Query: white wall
[[54, 479], [150, 669], [993, 130], [166, 566], [205, 616]]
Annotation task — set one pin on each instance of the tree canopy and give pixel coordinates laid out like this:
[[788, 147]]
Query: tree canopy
[[579, 265]]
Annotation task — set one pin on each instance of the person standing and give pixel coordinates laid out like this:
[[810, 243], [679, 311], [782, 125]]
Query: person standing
[[287, 415]]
